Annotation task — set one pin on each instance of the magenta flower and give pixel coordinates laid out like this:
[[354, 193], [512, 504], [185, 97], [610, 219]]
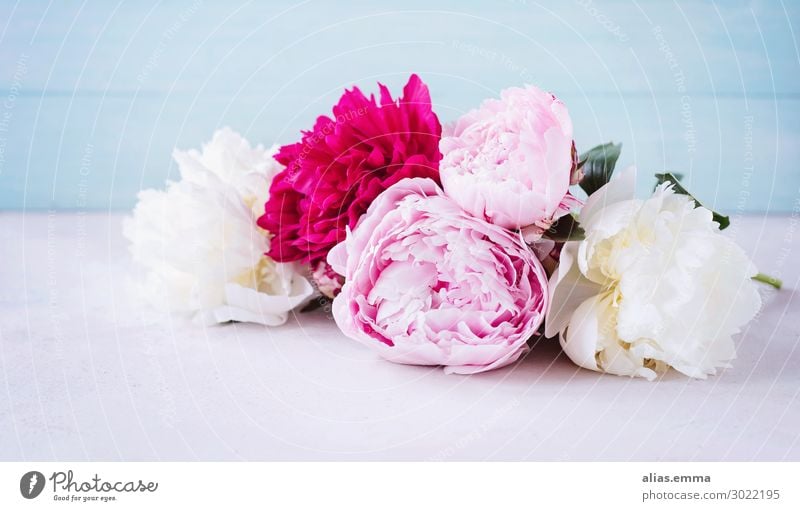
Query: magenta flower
[[428, 284], [335, 172]]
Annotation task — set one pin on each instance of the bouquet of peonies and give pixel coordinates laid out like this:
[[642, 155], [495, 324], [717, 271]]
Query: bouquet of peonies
[[450, 247]]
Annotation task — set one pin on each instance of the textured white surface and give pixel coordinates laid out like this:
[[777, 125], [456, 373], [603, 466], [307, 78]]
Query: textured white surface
[[88, 373]]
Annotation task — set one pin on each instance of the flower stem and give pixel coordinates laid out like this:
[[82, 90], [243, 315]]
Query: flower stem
[[766, 279]]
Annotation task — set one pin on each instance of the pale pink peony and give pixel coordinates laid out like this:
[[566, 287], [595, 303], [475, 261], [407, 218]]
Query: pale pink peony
[[428, 284], [511, 160]]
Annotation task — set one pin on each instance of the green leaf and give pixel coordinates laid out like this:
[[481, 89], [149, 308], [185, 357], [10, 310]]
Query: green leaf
[[669, 177], [767, 279], [565, 228], [598, 164], [315, 304]]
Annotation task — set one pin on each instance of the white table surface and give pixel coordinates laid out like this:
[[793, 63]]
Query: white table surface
[[86, 372]]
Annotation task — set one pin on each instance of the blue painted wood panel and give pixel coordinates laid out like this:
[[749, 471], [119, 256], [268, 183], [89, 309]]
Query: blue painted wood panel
[[95, 94]]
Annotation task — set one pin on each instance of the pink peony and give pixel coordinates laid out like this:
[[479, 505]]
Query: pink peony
[[511, 160], [426, 283], [335, 172]]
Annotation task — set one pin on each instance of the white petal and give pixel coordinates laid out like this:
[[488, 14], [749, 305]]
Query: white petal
[[568, 289], [248, 305], [621, 187], [581, 339]]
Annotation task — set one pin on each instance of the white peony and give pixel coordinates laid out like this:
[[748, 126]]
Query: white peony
[[199, 242], [654, 285], [230, 158]]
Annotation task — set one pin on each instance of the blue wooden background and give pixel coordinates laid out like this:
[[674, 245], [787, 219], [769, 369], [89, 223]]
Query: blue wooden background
[[94, 94]]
